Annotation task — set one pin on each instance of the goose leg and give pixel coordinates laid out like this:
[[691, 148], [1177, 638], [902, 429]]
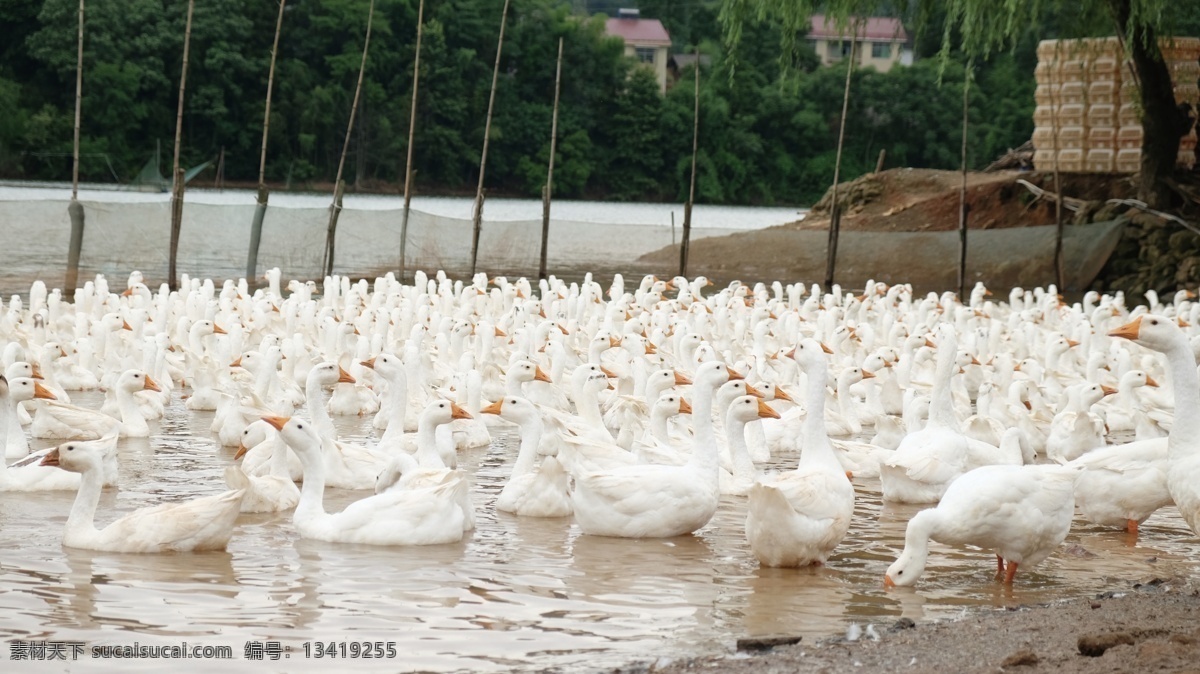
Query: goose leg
[[1010, 573], [1131, 528], [999, 567]]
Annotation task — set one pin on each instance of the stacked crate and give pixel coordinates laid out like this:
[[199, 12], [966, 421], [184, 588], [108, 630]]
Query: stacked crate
[[1086, 91]]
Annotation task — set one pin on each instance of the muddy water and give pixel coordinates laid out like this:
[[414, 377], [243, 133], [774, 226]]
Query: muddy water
[[517, 594]]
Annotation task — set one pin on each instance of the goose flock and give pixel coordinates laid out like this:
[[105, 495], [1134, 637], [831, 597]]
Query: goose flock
[[638, 408]]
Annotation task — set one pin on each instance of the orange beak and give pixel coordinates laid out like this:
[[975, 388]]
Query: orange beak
[[867, 375], [369, 364], [501, 333], [1130, 330], [344, 377], [929, 343], [825, 348], [888, 583], [242, 449], [751, 391], [681, 379], [277, 422], [218, 330], [734, 375], [975, 361], [236, 363], [125, 325], [1108, 390], [50, 459], [37, 371], [781, 394], [765, 411], [540, 375], [614, 342], [1150, 381], [128, 292], [494, 408], [1072, 343], [684, 406], [457, 412], [42, 393], [650, 349], [150, 385], [607, 372]]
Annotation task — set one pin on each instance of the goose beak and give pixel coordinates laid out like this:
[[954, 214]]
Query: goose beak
[[1130, 330], [344, 377], [1151, 382], [614, 342], [50, 459], [791, 354], [1182, 323], [501, 333], [242, 449], [125, 325], [651, 349], [150, 385], [825, 348], [735, 375], [37, 371], [1072, 343], [607, 372], [277, 422], [128, 292], [236, 363], [867, 375], [1028, 405], [540, 375], [684, 406], [681, 379], [888, 583], [494, 408], [781, 394], [42, 393], [457, 412], [751, 391], [1108, 390], [369, 364], [765, 411], [217, 330], [975, 361], [929, 343]]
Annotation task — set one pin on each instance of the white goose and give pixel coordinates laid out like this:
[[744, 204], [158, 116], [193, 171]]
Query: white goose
[[1022, 513], [797, 518], [27, 475], [60, 420], [531, 490], [426, 516], [269, 493], [650, 501], [204, 523]]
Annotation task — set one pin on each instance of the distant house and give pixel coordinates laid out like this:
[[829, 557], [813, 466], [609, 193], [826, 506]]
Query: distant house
[[645, 39], [881, 42]]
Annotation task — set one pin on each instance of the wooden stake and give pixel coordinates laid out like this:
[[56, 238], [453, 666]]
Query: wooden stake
[[176, 172], [1058, 214], [962, 195], [335, 209], [835, 219], [260, 210], [687, 208], [487, 131], [546, 191], [879, 162], [412, 128], [75, 209]]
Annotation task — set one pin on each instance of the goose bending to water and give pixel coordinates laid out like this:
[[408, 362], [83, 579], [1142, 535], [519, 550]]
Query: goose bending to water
[[1022, 513], [425, 516], [204, 523], [797, 518]]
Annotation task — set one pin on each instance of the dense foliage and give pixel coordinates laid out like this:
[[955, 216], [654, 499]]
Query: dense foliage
[[768, 129]]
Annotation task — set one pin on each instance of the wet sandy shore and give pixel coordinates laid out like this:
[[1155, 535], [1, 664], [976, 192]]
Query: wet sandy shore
[[1152, 627]]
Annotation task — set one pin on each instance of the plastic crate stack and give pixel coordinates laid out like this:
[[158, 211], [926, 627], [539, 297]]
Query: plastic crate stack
[[1086, 90]]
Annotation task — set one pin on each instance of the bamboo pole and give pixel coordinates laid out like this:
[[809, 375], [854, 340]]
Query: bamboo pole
[[412, 128], [1058, 201], [335, 209], [546, 191], [260, 209], [487, 130], [176, 172], [687, 207], [962, 195], [75, 209], [835, 219]]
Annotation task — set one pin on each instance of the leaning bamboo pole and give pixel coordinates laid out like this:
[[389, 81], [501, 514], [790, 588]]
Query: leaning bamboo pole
[[487, 131], [962, 195], [412, 129], [75, 209], [550, 169], [335, 209], [687, 207], [260, 209], [176, 172], [835, 216]]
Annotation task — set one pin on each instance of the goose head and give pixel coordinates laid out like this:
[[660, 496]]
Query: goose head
[[1152, 331], [23, 369], [387, 365], [712, 374], [512, 408], [441, 412], [79, 456], [300, 435], [525, 371], [809, 354], [136, 380], [670, 404], [735, 388], [253, 435], [328, 374], [748, 408], [24, 388]]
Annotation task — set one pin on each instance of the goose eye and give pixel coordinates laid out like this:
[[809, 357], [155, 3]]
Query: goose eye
[[299, 425], [900, 573]]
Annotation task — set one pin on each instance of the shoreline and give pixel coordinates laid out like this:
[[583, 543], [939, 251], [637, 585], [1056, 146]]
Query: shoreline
[[1152, 626]]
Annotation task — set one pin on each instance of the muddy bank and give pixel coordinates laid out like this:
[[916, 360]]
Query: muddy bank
[[1151, 627]]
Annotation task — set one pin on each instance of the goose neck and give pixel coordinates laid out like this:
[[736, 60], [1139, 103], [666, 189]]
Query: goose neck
[[735, 435], [531, 438], [1186, 384], [82, 519], [427, 453]]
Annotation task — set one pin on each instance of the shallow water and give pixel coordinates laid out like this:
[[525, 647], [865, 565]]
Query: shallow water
[[516, 594]]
